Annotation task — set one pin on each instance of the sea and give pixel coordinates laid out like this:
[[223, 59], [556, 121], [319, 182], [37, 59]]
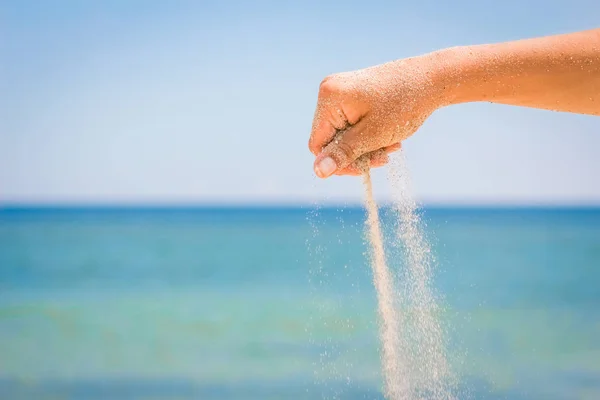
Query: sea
[[278, 302]]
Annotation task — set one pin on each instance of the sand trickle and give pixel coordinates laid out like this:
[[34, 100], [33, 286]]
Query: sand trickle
[[413, 355], [422, 329], [396, 387]]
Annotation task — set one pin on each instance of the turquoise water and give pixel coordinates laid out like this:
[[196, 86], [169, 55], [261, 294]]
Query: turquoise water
[[278, 303]]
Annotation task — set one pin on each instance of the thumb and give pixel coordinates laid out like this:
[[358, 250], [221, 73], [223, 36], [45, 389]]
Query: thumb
[[342, 151]]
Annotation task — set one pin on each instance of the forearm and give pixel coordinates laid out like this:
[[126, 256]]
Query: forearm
[[560, 73]]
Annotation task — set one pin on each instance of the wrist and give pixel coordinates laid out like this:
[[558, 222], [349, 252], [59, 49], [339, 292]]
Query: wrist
[[459, 73]]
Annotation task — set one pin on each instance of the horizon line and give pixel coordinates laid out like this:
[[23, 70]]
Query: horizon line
[[23, 206]]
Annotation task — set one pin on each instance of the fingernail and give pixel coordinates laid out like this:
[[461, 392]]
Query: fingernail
[[325, 167]]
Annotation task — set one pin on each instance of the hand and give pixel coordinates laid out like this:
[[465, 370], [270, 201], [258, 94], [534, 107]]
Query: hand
[[369, 112], [366, 114]]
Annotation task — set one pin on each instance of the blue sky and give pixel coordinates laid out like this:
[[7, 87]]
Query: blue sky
[[206, 101]]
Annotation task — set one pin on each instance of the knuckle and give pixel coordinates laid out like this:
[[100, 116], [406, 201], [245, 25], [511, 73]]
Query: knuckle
[[328, 85]]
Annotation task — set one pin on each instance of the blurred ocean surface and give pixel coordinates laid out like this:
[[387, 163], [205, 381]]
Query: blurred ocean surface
[[277, 303]]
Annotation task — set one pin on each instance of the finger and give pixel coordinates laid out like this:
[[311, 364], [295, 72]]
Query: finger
[[349, 170], [392, 148], [329, 116], [342, 151], [322, 132], [377, 158], [354, 171]]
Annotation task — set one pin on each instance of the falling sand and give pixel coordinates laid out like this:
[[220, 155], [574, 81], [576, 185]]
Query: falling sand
[[391, 359], [413, 354]]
